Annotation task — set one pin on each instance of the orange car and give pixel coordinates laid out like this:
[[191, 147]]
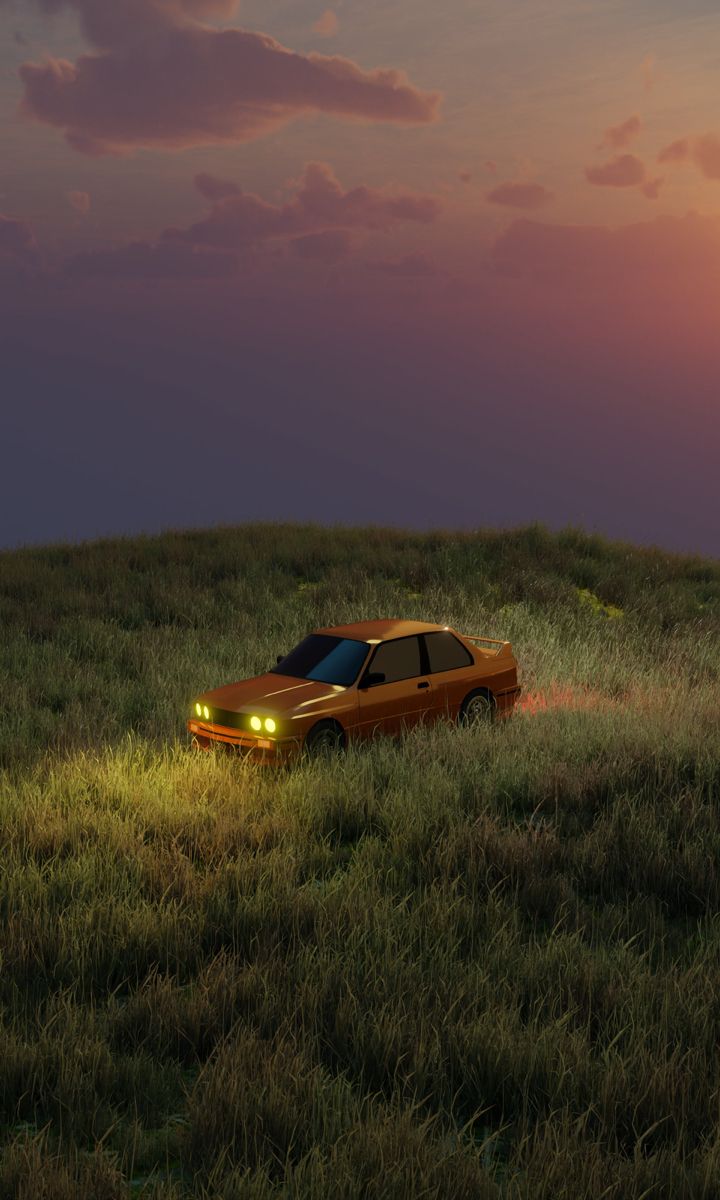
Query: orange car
[[347, 682]]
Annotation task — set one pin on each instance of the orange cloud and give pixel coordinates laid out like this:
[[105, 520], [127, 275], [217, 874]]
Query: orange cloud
[[678, 151], [625, 170], [465, 176], [239, 218], [520, 195], [702, 149], [328, 24], [621, 135], [187, 84]]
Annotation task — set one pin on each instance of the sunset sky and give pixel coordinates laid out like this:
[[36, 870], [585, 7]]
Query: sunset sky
[[390, 261]]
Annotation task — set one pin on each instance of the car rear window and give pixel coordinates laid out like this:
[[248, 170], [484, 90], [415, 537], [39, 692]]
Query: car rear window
[[325, 658], [445, 652]]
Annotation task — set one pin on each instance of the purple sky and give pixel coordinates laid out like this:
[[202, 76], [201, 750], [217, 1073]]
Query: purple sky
[[393, 263]]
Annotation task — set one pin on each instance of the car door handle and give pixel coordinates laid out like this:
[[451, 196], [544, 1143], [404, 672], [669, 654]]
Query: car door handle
[[424, 684]]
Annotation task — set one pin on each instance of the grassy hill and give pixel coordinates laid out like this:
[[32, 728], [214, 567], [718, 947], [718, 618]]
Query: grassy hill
[[471, 964]]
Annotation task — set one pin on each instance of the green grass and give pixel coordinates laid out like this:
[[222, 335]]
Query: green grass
[[473, 963]]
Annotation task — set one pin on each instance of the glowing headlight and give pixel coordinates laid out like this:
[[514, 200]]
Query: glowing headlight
[[255, 723], [206, 713], [198, 709], [269, 724]]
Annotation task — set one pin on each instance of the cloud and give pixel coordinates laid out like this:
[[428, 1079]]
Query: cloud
[[80, 201], [702, 149], [140, 260], [490, 166], [621, 135], [213, 188], [412, 266], [584, 255], [520, 195], [320, 203], [316, 224], [465, 176], [328, 247], [328, 24], [651, 189], [678, 151], [625, 170], [17, 239], [159, 78], [706, 154]]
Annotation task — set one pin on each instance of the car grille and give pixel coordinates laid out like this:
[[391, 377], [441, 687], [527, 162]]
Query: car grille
[[232, 720]]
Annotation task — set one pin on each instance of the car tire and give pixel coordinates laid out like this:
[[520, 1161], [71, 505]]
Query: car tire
[[325, 740], [478, 708]]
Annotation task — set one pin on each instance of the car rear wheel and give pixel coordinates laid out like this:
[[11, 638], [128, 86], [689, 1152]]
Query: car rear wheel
[[325, 740], [477, 709]]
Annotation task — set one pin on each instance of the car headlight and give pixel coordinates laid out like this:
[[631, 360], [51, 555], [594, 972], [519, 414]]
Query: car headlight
[[198, 709], [270, 725], [255, 723], [206, 713]]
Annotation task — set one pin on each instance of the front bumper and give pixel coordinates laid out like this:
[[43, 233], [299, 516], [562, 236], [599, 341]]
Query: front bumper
[[255, 747]]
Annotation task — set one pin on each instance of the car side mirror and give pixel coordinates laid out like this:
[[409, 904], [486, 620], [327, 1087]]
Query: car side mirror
[[372, 678], [279, 658]]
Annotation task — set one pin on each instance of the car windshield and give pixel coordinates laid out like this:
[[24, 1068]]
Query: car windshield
[[324, 658]]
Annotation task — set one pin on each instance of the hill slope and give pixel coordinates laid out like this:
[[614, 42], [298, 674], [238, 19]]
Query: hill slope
[[472, 964]]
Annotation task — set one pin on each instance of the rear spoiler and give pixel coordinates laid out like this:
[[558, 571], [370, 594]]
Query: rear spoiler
[[489, 645]]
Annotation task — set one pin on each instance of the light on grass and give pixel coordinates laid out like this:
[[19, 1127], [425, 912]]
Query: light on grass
[[589, 599], [569, 696]]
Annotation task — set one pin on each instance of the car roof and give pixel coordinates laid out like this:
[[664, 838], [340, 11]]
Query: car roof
[[381, 630]]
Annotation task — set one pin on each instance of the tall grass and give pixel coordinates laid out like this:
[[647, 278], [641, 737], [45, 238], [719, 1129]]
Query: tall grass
[[474, 963]]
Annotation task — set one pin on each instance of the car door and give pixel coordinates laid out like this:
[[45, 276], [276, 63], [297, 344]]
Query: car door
[[453, 672], [404, 698]]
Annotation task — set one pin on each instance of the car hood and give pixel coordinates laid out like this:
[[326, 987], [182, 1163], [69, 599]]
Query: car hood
[[270, 692]]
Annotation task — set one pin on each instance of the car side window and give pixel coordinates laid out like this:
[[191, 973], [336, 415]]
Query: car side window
[[399, 659], [445, 652]]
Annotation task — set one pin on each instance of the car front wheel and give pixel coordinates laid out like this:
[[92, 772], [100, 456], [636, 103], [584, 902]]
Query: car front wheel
[[324, 741], [477, 709]]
